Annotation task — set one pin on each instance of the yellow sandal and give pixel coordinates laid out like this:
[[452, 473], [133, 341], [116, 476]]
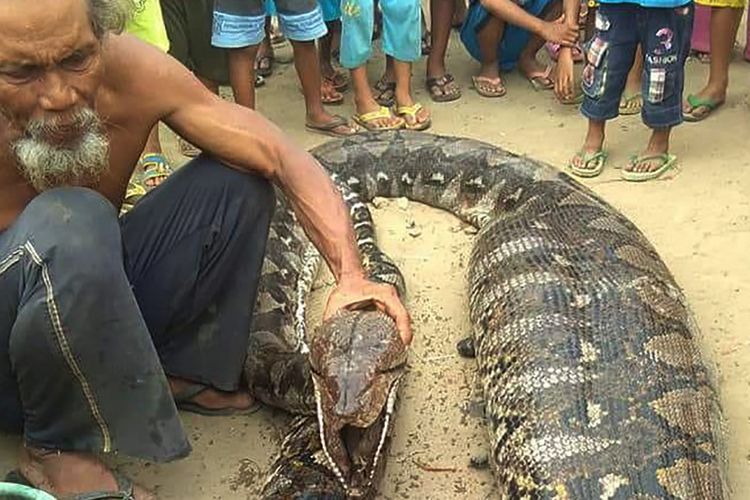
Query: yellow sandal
[[412, 111], [366, 120]]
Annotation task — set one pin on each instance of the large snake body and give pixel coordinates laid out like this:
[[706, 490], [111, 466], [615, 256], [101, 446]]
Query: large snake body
[[587, 356]]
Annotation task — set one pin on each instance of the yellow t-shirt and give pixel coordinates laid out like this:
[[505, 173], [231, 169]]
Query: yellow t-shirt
[[147, 24]]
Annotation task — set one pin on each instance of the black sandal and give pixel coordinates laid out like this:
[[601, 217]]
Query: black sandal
[[386, 93]]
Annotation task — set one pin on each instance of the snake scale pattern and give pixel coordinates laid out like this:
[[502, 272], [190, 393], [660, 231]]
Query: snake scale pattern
[[587, 355]]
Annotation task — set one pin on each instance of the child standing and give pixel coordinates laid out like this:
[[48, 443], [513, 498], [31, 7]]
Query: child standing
[[662, 28], [402, 45], [239, 26]]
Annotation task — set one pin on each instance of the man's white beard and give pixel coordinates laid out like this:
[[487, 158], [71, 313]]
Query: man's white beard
[[47, 165]]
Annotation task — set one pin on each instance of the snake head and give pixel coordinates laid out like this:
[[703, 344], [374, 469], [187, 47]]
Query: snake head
[[357, 359]]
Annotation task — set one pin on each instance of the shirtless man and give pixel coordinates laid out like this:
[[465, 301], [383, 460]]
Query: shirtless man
[[106, 323]]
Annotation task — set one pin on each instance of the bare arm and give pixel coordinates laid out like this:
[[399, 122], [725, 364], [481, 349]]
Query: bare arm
[[565, 80], [245, 140], [511, 13]]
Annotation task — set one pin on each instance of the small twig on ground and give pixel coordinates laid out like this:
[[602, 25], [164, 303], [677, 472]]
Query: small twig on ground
[[429, 468]]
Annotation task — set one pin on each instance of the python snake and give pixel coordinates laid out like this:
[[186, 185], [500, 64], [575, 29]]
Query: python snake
[[588, 358]]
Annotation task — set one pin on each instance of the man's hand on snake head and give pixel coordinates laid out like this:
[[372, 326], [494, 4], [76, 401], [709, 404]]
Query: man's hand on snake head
[[353, 291]]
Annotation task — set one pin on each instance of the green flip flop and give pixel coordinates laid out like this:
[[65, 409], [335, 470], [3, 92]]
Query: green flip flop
[[667, 162], [697, 103], [598, 159]]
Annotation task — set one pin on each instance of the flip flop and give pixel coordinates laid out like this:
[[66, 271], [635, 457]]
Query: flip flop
[[338, 80], [329, 128], [264, 65], [667, 162], [436, 86], [366, 120], [537, 79], [553, 49], [155, 168], [411, 111], [599, 158], [487, 88], [184, 402], [386, 93], [697, 103], [627, 106], [333, 98], [125, 489]]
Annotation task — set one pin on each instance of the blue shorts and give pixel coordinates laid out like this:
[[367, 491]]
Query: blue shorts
[[240, 23], [514, 38], [664, 34]]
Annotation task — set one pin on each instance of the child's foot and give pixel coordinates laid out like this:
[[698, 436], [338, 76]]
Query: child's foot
[[489, 83], [648, 165], [699, 106], [264, 59], [416, 116], [539, 75], [588, 163], [385, 91], [328, 94], [372, 116]]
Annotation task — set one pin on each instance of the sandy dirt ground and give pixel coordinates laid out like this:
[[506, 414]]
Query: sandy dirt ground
[[698, 218]]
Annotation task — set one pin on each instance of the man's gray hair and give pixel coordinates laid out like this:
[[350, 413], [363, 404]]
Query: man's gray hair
[[109, 16]]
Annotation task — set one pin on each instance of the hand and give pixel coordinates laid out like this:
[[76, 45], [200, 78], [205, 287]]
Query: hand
[[560, 32], [564, 79], [352, 291]]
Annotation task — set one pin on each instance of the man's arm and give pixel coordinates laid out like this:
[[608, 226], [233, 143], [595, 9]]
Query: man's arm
[[510, 12], [245, 140]]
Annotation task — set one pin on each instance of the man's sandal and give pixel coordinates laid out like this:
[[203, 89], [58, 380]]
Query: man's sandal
[[489, 87], [443, 88], [593, 163], [411, 112], [667, 160], [125, 488], [330, 128], [184, 401], [367, 120]]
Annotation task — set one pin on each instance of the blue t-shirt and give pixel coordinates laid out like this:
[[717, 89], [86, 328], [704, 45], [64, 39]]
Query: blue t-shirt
[[659, 4]]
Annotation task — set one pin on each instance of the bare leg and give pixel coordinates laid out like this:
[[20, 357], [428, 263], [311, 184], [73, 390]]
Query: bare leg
[[264, 56], [528, 64], [489, 82], [632, 100], [440, 84], [724, 24], [402, 73], [333, 79], [69, 473], [308, 71], [591, 145], [242, 75]]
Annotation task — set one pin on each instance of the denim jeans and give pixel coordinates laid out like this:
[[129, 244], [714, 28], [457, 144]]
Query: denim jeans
[[95, 310]]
